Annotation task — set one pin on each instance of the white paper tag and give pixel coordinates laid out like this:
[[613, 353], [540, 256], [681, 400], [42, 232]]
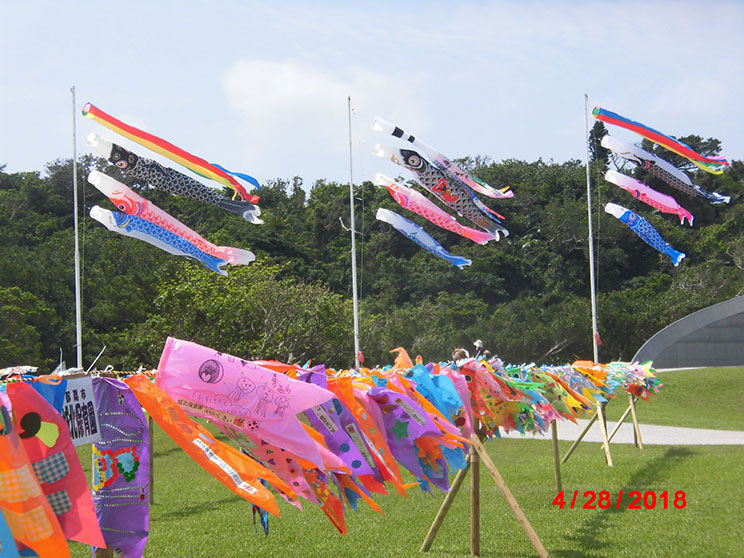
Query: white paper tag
[[325, 419], [411, 412], [232, 473], [359, 443]]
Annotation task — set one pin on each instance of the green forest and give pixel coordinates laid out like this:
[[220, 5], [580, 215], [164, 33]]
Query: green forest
[[527, 297]]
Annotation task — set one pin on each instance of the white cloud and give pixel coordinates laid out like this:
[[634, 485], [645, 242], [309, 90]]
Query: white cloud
[[291, 110], [503, 78]]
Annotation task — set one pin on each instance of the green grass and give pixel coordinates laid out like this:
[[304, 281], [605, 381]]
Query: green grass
[[194, 515], [702, 398]]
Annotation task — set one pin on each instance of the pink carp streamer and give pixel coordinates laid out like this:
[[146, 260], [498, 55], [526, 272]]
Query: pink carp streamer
[[450, 191], [420, 205], [662, 202], [131, 203], [661, 169]]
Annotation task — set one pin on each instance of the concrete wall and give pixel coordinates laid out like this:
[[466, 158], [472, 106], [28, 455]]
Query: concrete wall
[[713, 336]]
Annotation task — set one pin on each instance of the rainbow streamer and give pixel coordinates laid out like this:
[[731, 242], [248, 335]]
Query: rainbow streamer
[[195, 164], [709, 164]]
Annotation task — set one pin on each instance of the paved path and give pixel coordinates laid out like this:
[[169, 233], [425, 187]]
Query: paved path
[[651, 434]]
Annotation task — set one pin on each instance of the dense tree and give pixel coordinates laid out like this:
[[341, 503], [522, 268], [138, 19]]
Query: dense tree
[[527, 296]]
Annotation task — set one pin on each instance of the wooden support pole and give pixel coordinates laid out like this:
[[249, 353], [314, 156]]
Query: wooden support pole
[[556, 457], [603, 428], [474, 502], [578, 440], [442, 513], [529, 531], [617, 427], [637, 429]]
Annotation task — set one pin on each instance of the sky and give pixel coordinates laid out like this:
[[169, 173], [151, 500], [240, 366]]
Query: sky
[[262, 87]]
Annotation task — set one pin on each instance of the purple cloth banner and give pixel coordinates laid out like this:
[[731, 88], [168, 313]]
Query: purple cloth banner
[[121, 469]]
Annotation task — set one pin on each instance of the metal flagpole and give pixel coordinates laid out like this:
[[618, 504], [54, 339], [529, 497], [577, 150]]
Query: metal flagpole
[[600, 406], [78, 315], [591, 234], [353, 250]]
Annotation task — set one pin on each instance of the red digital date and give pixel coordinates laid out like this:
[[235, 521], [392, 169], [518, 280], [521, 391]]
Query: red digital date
[[636, 500]]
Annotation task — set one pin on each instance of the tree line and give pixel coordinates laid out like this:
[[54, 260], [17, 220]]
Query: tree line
[[526, 296]]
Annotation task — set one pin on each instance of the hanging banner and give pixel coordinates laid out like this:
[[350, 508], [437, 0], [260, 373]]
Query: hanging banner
[[79, 411]]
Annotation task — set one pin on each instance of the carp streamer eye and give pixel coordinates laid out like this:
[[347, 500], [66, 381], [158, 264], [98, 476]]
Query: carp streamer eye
[[30, 425]]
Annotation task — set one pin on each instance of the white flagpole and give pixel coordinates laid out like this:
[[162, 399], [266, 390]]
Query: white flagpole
[[353, 250], [78, 315], [591, 234]]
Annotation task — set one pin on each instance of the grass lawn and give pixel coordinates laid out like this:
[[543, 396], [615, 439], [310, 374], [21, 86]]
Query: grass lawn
[[194, 515], [702, 398]]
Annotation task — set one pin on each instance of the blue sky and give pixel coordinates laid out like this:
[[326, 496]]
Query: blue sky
[[262, 87]]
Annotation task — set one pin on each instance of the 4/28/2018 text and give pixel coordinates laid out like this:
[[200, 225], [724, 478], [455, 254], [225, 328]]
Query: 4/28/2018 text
[[632, 500]]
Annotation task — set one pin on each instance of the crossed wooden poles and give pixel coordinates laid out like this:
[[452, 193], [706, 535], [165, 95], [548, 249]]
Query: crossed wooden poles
[[477, 455], [606, 439]]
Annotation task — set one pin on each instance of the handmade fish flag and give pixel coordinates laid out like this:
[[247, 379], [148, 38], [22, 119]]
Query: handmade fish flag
[[236, 471], [442, 163], [170, 180], [121, 468], [580, 383], [127, 200], [713, 165], [240, 394], [662, 202], [493, 399], [24, 506], [53, 389], [46, 439], [645, 230], [8, 548], [370, 432], [438, 389], [453, 193], [661, 169], [308, 481], [330, 504], [129, 225], [405, 422], [331, 461], [637, 379], [414, 232], [419, 204], [352, 492], [195, 164], [576, 402], [334, 421], [450, 436], [285, 464], [464, 418]]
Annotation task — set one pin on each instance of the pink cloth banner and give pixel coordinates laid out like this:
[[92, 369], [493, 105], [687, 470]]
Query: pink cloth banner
[[240, 394]]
